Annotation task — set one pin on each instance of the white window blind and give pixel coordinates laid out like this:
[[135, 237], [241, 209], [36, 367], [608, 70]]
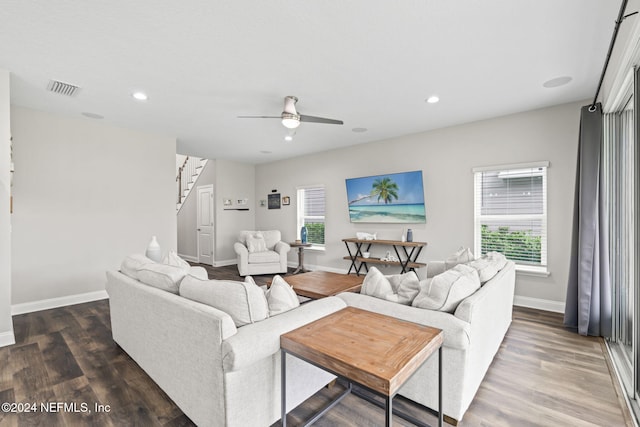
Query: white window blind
[[511, 213], [311, 211]]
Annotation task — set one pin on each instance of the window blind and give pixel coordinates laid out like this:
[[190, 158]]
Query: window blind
[[311, 213], [511, 213]]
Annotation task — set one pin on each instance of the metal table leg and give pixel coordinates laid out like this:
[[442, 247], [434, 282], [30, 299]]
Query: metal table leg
[[283, 387]]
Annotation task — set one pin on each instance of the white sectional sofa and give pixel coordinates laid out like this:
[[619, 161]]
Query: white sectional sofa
[[472, 336], [222, 374]]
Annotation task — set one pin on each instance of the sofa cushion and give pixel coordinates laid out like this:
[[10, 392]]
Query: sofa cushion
[[256, 243], [488, 265], [263, 257], [446, 290], [271, 237], [461, 256], [132, 263], [162, 276], [243, 301], [172, 258], [281, 297], [456, 331], [400, 288]]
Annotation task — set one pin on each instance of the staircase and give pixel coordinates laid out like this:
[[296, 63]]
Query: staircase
[[187, 176]]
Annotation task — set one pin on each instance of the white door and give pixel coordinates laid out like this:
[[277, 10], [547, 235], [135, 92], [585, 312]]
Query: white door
[[205, 224]]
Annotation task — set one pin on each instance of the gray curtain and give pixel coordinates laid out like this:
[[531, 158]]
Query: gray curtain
[[588, 307]]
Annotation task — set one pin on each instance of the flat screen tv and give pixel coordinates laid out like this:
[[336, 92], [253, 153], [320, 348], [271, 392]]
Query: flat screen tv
[[392, 198]]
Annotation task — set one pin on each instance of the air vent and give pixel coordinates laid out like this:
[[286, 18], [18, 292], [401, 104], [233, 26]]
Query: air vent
[[62, 88]]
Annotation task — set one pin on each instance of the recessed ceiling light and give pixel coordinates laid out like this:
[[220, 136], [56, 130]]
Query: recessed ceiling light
[[359, 130], [432, 99], [92, 115], [140, 96], [288, 138], [558, 81]]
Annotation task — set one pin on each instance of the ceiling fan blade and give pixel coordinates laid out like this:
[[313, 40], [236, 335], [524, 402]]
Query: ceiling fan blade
[[314, 119], [259, 117]]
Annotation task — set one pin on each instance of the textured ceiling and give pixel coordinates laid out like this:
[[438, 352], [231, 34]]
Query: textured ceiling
[[369, 63]]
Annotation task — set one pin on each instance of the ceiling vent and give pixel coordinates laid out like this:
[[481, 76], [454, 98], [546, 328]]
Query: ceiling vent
[[61, 88]]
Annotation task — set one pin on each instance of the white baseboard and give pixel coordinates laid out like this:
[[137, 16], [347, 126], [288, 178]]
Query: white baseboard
[[7, 338], [188, 258], [46, 304], [225, 262], [540, 304]]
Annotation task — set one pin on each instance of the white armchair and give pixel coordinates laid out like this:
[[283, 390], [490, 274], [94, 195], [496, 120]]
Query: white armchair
[[255, 257]]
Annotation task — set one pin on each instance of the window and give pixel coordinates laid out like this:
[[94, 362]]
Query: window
[[311, 214], [511, 213]]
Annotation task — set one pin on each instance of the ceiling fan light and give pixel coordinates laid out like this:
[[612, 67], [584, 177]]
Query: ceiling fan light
[[290, 122]]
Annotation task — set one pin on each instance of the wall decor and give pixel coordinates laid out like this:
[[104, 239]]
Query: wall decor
[[286, 201], [391, 198], [274, 201], [263, 203], [237, 204]]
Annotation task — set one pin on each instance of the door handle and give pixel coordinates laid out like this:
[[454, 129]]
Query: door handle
[[198, 229]]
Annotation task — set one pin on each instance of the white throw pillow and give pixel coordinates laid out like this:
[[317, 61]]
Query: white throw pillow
[[172, 258], [400, 288], [461, 256], [162, 276], [489, 265], [281, 297], [445, 291], [376, 285], [132, 263], [243, 301], [256, 243]]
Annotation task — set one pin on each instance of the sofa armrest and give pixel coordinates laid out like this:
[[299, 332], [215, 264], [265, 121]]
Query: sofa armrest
[[199, 272], [282, 247], [240, 249], [256, 341]]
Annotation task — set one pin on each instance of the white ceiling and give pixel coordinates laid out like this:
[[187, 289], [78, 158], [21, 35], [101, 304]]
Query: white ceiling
[[369, 63]]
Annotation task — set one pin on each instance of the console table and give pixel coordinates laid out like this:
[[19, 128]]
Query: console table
[[407, 261]]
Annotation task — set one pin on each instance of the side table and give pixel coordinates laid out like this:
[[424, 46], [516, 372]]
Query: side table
[[300, 247]]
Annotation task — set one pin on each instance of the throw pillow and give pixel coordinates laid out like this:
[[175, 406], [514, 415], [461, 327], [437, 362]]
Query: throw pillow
[[445, 291], [243, 301], [256, 243], [461, 256], [376, 285], [162, 276], [489, 265], [132, 263], [172, 258], [281, 297], [400, 288]]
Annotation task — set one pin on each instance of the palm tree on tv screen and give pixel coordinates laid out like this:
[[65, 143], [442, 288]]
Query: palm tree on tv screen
[[385, 189]]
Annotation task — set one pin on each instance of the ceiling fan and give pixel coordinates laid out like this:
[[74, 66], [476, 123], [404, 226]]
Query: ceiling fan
[[291, 118]]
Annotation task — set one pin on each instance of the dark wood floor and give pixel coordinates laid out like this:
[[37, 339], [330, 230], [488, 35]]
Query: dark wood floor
[[543, 375]]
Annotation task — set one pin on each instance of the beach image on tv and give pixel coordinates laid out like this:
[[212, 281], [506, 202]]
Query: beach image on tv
[[392, 198]]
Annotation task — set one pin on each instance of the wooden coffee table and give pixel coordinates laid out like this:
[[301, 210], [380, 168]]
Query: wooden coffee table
[[321, 284], [377, 352]]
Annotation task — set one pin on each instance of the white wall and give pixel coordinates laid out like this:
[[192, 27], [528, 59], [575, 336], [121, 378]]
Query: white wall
[[85, 195], [446, 157], [6, 325], [233, 181]]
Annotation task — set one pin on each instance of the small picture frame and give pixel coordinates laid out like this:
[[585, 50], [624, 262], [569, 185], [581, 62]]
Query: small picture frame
[[286, 201], [273, 201], [263, 203]]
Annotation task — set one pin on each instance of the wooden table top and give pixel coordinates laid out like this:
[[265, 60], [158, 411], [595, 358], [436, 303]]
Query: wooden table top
[[321, 284], [377, 351]]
